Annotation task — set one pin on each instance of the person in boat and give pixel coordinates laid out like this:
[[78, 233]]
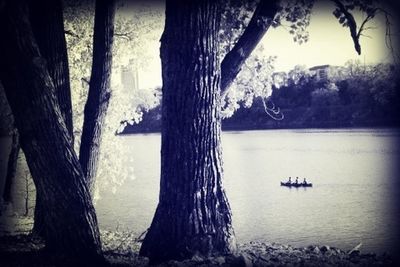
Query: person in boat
[[304, 180], [297, 180], [290, 180]]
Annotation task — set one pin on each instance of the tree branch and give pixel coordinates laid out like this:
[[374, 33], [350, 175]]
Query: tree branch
[[351, 22], [69, 32], [368, 18], [259, 24], [123, 36], [85, 80]]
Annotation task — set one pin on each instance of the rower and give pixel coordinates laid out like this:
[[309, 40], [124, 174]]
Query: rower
[[290, 180], [304, 181], [297, 180]]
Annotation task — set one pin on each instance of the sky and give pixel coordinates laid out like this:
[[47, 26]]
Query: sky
[[329, 43]]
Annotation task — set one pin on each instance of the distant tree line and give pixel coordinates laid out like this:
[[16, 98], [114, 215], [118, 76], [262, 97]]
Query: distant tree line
[[367, 96]]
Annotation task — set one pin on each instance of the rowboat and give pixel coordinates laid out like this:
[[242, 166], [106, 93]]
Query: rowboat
[[296, 184]]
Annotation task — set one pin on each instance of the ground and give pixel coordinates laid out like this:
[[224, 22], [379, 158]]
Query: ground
[[121, 248]]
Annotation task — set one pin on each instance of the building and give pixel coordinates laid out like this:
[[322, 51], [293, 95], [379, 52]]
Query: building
[[328, 72], [130, 77], [320, 72]]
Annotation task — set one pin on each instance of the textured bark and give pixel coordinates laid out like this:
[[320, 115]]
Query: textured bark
[[193, 216], [11, 166], [71, 223], [48, 28], [99, 89], [39, 226], [255, 30]]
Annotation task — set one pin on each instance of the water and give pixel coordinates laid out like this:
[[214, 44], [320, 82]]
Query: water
[[354, 173]]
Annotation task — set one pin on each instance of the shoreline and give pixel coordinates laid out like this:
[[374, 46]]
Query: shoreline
[[246, 129], [122, 249]]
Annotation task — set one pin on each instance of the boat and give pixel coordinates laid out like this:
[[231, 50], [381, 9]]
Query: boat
[[287, 184]]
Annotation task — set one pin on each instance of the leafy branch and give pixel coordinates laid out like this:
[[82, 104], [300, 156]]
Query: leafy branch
[[346, 18]]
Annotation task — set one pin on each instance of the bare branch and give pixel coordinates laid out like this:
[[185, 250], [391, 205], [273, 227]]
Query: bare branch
[[123, 36], [388, 34], [85, 80], [273, 112], [368, 18], [364, 35], [71, 33]]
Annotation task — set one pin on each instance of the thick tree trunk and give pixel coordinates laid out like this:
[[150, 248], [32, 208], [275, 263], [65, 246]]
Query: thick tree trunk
[[11, 167], [193, 216], [48, 28], [259, 24], [39, 227], [71, 223], [99, 89]]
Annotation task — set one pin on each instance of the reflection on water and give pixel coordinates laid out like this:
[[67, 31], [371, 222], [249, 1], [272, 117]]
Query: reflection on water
[[352, 199]]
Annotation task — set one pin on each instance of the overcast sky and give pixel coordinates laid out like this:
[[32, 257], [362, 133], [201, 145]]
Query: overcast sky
[[329, 43]]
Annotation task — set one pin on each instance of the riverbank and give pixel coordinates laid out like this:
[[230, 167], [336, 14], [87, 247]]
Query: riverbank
[[297, 117], [121, 249]]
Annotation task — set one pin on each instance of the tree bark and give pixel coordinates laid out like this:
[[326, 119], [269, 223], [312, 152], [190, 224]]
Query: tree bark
[[71, 223], [11, 167], [259, 24], [99, 89], [193, 216], [48, 28]]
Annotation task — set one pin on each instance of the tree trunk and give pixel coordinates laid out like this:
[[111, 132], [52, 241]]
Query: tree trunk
[[71, 223], [48, 29], [11, 167], [99, 89], [39, 227], [193, 216], [259, 24]]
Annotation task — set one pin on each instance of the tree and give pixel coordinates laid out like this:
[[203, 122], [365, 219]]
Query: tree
[[130, 43], [7, 127], [99, 89], [71, 223], [193, 216], [11, 166], [48, 29]]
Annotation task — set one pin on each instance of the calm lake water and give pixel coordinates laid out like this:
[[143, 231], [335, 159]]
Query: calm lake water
[[354, 172]]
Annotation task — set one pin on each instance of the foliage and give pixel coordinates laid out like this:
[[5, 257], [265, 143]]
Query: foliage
[[254, 80], [236, 14], [295, 16], [78, 24], [131, 28]]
